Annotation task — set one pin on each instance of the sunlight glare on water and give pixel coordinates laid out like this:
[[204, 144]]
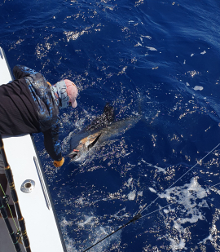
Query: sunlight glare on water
[[158, 59]]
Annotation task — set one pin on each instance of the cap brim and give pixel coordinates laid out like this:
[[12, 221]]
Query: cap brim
[[74, 104]]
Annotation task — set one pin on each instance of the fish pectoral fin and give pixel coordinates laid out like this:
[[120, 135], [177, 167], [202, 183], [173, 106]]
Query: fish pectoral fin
[[94, 141]]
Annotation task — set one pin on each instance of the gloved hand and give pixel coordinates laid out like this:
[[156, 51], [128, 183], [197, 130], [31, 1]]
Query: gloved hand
[[59, 163]]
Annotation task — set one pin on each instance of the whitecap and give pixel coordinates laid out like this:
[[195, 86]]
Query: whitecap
[[198, 88], [177, 245], [132, 195], [151, 48], [152, 190], [88, 220], [204, 52]]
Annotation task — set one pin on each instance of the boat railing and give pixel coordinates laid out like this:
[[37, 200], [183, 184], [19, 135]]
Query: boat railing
[[9, 176]]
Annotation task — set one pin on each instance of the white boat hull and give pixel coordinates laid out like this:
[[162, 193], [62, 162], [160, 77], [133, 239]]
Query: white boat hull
[[36, 205]]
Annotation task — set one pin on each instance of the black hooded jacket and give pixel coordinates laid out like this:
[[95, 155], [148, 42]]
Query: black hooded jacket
[[28, 106]]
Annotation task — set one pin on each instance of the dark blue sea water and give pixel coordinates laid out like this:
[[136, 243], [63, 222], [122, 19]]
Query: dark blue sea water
[[159, 58]]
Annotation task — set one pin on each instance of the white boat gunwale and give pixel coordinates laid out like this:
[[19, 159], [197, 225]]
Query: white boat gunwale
[[25, 164]]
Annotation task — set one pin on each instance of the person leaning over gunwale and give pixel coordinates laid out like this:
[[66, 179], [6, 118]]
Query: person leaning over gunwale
[[30, 104]]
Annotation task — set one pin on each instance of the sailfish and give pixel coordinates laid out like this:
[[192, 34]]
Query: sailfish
[[101, 129]]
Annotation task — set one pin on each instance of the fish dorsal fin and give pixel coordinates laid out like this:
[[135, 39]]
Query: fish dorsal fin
[[109, 113], [103, 120]]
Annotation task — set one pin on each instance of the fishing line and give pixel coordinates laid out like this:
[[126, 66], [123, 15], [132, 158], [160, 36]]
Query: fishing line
[[157, 210], [9, 209], [146, 207], [135, 218], [215, 184], [126, 224], [139, 214]]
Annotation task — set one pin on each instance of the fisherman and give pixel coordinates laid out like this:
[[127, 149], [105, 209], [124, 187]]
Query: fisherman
[[29, 104]]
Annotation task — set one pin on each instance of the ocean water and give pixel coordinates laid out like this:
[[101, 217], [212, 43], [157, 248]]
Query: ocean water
[[156, 58]]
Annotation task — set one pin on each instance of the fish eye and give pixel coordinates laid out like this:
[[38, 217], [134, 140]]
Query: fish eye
[[73, 155]]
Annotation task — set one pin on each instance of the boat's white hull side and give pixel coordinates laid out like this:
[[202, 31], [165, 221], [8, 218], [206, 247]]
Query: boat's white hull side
[[36, 206]]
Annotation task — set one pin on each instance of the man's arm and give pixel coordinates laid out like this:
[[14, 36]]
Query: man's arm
[[52, 143], [22, 71]]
